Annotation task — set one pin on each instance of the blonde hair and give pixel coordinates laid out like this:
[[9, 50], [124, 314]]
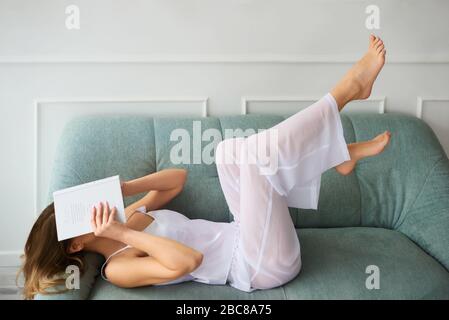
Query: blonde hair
[[45, 258]]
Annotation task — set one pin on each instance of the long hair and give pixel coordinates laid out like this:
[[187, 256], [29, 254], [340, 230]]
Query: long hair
[[45, 258]]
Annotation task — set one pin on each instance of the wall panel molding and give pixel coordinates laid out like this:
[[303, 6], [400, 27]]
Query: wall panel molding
[[435, 112], [245, 100], [421, 101]]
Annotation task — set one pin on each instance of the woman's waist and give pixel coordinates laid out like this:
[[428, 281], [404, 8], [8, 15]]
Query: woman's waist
[[217, 256]]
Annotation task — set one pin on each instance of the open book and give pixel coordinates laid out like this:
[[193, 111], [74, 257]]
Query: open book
[[73, 205]]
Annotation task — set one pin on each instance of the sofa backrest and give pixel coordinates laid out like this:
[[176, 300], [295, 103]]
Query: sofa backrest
[[378, 193]]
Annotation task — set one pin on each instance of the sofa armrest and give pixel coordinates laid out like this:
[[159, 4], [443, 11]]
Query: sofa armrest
[[427, 222]]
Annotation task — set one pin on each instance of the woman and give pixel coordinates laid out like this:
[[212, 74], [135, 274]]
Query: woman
[[260, 248]]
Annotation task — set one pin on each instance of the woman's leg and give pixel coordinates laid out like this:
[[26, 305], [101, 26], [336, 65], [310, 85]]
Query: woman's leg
[[307, 144], [311, 141], [227, 159], [268, 244], [268, 236], [360, 150]]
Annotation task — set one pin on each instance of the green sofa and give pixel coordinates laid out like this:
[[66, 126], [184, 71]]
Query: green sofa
[[391, 213]]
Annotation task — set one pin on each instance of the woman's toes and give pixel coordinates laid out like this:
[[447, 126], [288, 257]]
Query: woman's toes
[[379, 44], [380, 48], [382, 137], [372, 38], [386, 137]]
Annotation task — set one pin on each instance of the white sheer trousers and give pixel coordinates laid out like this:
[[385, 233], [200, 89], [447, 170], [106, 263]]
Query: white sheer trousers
[[308, 143]]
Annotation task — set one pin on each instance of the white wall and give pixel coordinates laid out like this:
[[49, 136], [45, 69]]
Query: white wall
[[151, 56]]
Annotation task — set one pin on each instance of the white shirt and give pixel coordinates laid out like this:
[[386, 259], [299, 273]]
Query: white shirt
[[217, 242]]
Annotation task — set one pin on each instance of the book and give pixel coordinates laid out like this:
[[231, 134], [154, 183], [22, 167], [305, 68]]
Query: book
[[73, 206]]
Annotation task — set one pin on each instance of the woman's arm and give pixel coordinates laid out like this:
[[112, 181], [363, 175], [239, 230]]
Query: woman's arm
[[131, 272], [171, 254], [161, 186], [163, 180]]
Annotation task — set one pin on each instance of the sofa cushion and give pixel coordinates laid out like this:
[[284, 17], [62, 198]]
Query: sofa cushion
[[202, 196], [103, 290], [95, 147], [391, 182], [335, 262], [170, 132], [334, 265], [427, 221]]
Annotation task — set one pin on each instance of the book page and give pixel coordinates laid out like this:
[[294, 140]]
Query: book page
[[73, 205]]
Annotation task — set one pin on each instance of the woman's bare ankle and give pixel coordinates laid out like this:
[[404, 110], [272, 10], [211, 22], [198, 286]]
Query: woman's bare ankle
[[344, 92]]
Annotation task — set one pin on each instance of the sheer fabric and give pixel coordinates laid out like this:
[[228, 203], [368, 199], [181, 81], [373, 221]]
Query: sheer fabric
[[307, 144]]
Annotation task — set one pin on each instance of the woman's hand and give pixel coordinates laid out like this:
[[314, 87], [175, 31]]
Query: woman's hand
[[104, 224]]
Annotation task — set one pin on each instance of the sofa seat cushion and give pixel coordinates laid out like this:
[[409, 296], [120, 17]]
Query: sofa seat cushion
[[183, 291], [335, 262], [334, 267]]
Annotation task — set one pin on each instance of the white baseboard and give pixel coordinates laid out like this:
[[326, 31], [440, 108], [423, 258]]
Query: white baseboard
[[10, 258]]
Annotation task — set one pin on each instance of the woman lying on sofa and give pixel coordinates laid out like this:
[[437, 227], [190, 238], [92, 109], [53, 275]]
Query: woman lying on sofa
[[260, 248]]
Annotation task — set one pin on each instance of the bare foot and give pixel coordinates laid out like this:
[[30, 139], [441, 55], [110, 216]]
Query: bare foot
[[358, 81], [360, 150]]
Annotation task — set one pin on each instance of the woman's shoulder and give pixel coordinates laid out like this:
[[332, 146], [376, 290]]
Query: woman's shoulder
[[130, 252], [116, 260]]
